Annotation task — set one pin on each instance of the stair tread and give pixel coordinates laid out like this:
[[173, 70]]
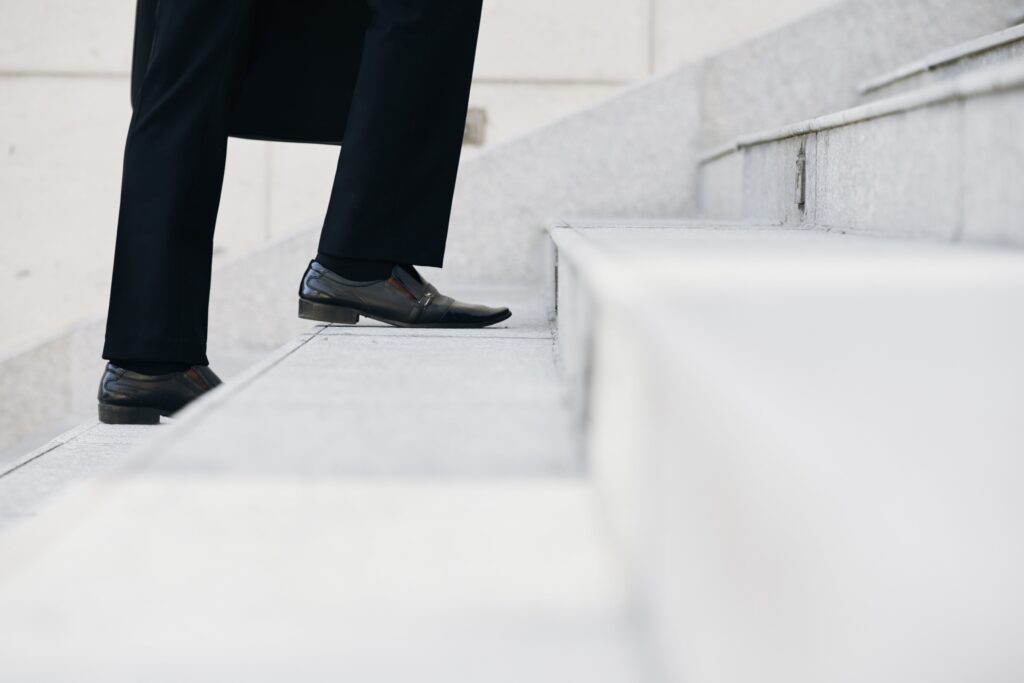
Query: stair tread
[[374, 399], [82, 453]]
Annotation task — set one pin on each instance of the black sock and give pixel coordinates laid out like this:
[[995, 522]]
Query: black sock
[[146, 367], [356, 268]]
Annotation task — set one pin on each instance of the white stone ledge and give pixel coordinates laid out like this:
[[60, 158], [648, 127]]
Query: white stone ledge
[[824, 396], [941, 58], [976, 84]]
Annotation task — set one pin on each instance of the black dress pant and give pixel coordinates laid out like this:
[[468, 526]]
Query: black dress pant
[[392, 193]]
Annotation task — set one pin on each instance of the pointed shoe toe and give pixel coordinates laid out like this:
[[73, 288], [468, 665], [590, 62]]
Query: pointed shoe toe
[[404, 299]]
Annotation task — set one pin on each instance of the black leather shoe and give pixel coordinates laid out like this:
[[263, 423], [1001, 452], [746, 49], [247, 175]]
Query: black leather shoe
[[405, 299], [127, 397]]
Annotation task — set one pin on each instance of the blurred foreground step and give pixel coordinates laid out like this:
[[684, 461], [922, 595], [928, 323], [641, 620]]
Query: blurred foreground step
[[808, 446], [191, 577]]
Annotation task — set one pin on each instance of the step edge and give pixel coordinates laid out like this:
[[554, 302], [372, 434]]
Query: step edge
[[638, 223], [53, 444], [943, 57], [573, 241], [991, 81]]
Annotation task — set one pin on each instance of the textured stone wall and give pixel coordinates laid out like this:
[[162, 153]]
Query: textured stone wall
[[813, 66]]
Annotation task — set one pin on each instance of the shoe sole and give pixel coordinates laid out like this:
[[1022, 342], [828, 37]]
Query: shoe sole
[[341, 315], [129, 415]]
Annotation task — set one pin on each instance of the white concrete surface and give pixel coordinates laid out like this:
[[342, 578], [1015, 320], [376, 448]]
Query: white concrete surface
[[808, 447]]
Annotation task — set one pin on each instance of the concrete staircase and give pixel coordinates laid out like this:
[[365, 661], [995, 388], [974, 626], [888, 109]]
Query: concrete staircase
[[777, 440]]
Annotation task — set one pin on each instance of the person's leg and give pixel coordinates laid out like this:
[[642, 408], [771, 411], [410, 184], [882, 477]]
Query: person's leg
[[393, 190], [173, 172]]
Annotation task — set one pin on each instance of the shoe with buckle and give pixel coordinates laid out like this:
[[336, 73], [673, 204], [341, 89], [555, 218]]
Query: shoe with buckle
[[404, 299]]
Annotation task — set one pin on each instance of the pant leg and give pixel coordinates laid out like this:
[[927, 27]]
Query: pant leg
[[173, 173], [393, 190]]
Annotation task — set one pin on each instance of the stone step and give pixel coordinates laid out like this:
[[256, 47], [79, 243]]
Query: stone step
[[490, 389], [807, 446], [932, 164], [379, 503], [998, 47]]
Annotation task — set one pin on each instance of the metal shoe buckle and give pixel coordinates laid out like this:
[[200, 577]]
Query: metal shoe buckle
[[425, 299]]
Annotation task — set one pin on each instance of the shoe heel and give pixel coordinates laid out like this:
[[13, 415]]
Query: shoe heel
[[326, 313], [128, 415]]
